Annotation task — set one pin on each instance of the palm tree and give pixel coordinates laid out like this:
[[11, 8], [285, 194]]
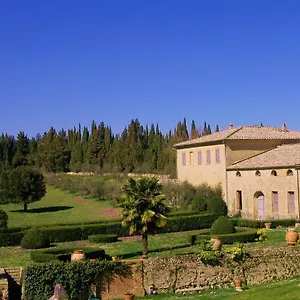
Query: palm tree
[[144, 210]]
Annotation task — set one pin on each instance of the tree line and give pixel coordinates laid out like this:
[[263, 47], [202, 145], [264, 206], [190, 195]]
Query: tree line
[[137, 149]]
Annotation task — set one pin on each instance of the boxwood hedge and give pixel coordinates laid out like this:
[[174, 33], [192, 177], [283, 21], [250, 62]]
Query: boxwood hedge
[[261, 223], [103, 238]]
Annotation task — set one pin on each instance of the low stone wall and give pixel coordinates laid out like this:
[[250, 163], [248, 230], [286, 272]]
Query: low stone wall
[[188, 272]]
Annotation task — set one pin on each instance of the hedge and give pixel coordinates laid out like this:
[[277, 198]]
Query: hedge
[[103, 238], [242, 235], [64, 254], [261, 223], [11, 239], [76, 278]]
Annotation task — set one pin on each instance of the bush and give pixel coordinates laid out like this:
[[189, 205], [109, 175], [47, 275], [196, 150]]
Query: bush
[[103, 238], [217, 206], [261, 223], [64, 254], [35, 239], [222, 225], [75, 278], [11, 238], [3, 219], [242, 236], [199, 204]]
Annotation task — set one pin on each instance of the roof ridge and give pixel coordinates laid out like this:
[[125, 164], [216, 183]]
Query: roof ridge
[[230, 134], [257, 154]]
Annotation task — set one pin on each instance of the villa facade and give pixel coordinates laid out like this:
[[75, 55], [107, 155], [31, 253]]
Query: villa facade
[[256, 166]]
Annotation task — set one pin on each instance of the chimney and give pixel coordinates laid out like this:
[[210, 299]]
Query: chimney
[[284, 128], [230, 126]]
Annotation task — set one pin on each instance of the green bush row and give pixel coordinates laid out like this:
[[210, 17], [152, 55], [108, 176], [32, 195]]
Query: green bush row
[[76, 278], [242, 236], [103, 238], [64, 254], [81, 232], [261, 223]]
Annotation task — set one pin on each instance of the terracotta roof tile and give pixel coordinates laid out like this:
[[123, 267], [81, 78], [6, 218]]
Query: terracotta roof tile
[[243, 133], [281, 156]]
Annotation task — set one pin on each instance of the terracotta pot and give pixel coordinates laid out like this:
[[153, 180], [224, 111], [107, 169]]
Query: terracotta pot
[[77, 255], [114, 258], [291, 237], [268, 225], [129, 296], [238, 284], [216, 243], [144, 256]]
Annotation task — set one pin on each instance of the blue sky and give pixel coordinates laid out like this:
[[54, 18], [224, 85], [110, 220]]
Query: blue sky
[[64, 62]]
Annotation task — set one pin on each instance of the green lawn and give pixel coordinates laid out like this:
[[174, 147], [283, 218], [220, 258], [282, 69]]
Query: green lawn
[[286, 289], [59, 207]]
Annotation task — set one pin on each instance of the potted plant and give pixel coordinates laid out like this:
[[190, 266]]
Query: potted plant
[[238, 256], [268, 225], [129, 296]]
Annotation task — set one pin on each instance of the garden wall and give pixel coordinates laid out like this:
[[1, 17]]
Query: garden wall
[[181, 272]]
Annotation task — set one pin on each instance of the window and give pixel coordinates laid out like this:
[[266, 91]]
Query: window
[[291, 200], [191, 158], [217, 156], [257, 173], [238, 174], [273, 173], [199, 158], [275, 201], [208, 157], [289, 173], [239, 201], [183, 158]]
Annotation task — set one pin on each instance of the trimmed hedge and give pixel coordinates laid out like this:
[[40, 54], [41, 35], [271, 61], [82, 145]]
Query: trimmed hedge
[[64, 254], [261, 223], [11, 239], [241, 235], [103, 238], [222, 225], [35, 239]]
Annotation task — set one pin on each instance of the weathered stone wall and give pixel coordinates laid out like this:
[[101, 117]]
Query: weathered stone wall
[[181, 272]]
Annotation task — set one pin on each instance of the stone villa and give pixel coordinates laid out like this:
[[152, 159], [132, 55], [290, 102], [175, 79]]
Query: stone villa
[[257, 167]]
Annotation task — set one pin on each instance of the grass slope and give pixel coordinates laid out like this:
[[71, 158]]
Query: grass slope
[[59, 207]]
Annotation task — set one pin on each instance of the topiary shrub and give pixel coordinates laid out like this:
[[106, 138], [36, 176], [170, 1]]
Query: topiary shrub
[[103, 238], [222, 225], [217, 206], [35, 239], [199, 204], [3, 219]]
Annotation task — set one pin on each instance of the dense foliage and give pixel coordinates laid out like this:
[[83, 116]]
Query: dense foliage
[[98, 149], [75, 277], [3, 219], [261, 223], [22, 185], [217, 206], [222, 225], [64, 254], [103, 238], [35, 239]]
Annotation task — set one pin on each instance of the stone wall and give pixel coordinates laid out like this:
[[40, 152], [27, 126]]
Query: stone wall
[[188, 272]]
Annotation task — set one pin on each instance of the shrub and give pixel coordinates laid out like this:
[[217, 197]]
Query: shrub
[[217, 206], [242, 236], [11, 238], [75, 278], [64, 254], [103, 238], [199, 204], [35, 239], [222, 225], [261, 223], [3, 219]]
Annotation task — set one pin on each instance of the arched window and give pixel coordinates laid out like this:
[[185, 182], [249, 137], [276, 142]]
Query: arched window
[[289, 173], [274, 173], [238, 174], [257, 173]]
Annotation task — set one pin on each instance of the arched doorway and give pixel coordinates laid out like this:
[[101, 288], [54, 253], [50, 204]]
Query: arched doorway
[[259, 206]]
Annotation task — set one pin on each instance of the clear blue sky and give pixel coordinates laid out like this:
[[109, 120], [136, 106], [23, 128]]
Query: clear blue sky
[[64, 62]]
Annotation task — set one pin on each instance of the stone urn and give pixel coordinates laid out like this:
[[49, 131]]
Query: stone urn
[[291, 237], [129, 296], [216, 243], [238, 284], [268, 225], [77, 255]]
